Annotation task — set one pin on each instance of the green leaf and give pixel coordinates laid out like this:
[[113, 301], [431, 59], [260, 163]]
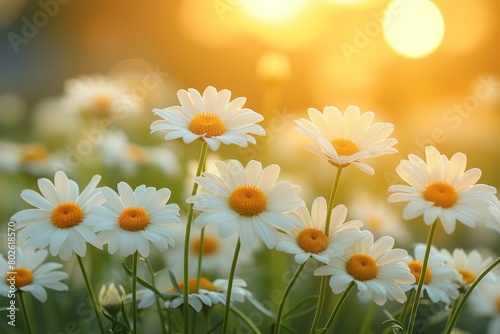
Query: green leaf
[[246, 320], [125, 318], [174, 281], [299, 306], [142, 282]]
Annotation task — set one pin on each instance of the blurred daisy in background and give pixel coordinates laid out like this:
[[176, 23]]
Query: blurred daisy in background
[[211, 117], [439, 188], [132, 219], [377, 216], [31, 274], [310, 240], [486, 304], [118, 152], [469, 266], [61, 215], [217, 252], [97, 97], [247, 201], [441, 281], [347, 139], [209, 294], [375, 267], [32, 158]]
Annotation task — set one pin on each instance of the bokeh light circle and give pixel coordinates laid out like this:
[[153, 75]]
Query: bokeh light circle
[[413, 28]]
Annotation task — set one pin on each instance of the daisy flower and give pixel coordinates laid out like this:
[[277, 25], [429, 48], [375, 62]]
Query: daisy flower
[[347, 139], [439, 188], [210, 117], [118, 152], [378, 216], [441, 281], [111, 299], [130, 219], [98, 96], [375, 268], [310, 239], [60, 219], [33, 158], [209, 294], [469, 266], [217, 252], [31, 274], [486, 303], [246, 200]]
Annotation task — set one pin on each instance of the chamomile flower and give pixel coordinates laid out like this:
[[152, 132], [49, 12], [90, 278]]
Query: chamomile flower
[[469, 266], [31, 274], [439, 188], [131, 219], [98, 96], [209, 294], [377, 216], [111, 299], [246, 200], [33, 158], [375, 268], [211, 117], [310, 239], [60, 219], [217, 252], [347, 139], [441, 282], [486, 303]]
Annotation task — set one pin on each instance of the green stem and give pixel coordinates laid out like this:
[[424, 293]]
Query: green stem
[[200, 257], [331, 201], [337, 306], [201, 166], [404, 312], [324, 279], [416, 301], [365, 327], [461, 302], [134, 292], [454, 309], [24, 309], [230, 286], [157, 299], [319, 306], [285, 295], [91, 293]]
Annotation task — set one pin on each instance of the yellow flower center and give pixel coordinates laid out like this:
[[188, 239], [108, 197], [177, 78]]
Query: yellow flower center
[[136, 153], [133, 219], [416, 270], [247, 200], [22, 277], [441, 193], [33, 152], [204, 284], [66, 215], [207, 124], [467, 276], [374, 223], [362, 267], [210, 245], [344, 147], [312, 240], [102, 102]]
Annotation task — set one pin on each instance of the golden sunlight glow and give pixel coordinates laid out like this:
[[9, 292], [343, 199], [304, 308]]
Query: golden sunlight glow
[[413, 29], [273, 10]]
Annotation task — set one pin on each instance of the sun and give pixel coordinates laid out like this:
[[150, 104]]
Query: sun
[[413, 29]]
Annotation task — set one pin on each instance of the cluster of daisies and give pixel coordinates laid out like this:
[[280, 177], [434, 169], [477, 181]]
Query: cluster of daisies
[[250, 204]]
